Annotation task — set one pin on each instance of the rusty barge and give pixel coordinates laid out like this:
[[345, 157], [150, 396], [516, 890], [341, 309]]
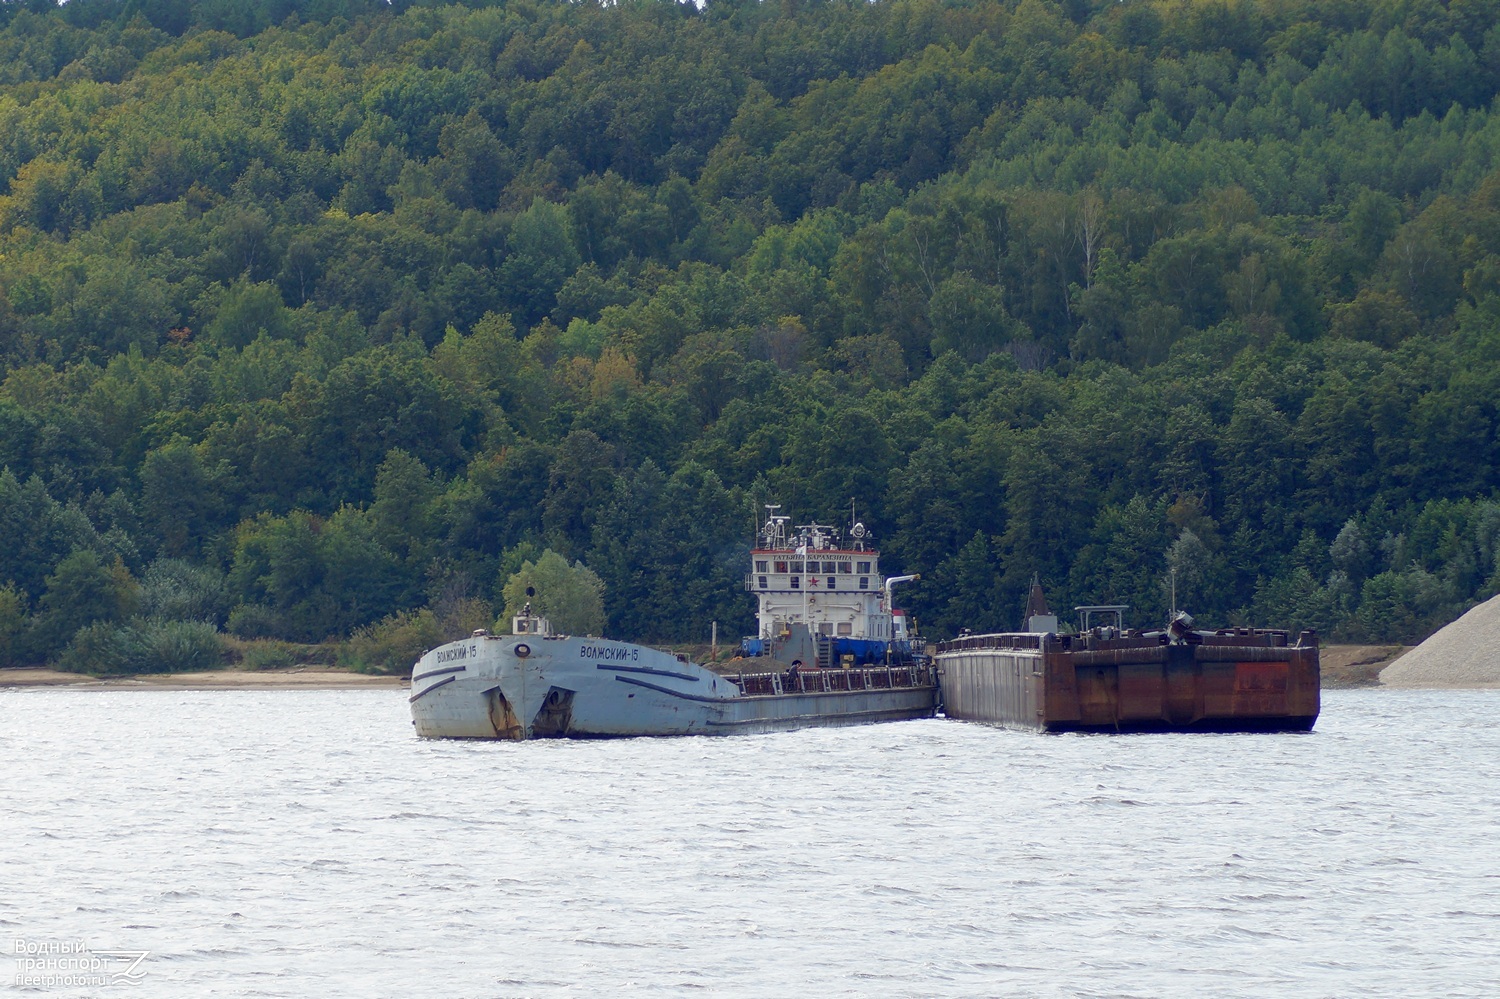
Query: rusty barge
[[1106, 678]]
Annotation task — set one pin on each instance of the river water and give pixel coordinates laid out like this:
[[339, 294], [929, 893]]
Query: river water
[[304, 843]]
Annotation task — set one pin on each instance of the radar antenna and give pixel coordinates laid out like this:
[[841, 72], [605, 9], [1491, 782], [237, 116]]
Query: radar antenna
[[775, 530]]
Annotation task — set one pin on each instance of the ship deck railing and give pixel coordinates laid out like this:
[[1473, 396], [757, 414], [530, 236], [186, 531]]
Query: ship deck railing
[[828, 681], [1100, 639], [972, 643]]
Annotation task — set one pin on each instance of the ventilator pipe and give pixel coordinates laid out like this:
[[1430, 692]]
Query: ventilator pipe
[[891, 609], [898, 579]]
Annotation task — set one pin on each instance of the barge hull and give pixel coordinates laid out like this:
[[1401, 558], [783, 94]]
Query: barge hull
[[492, 687], [1240, 681], [793, 711]]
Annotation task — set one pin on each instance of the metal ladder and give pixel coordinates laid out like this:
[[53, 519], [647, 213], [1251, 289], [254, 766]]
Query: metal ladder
[[825, 652]]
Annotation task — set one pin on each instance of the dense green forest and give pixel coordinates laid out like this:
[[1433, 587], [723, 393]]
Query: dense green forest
[[319, 318]]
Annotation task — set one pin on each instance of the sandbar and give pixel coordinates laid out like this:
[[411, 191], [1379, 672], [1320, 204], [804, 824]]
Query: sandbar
[[295, 678], [1343, 666]]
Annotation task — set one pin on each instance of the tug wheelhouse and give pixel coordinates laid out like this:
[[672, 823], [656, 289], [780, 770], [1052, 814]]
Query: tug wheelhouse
[[830, 583]]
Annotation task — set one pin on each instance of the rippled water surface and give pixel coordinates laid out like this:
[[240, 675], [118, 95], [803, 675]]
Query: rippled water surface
[[304, 843]]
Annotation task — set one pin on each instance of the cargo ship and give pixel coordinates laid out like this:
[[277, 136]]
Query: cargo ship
[[534, 684], [1107, 678]]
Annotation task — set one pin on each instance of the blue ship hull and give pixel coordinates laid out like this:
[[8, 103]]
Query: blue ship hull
[[864, 650]]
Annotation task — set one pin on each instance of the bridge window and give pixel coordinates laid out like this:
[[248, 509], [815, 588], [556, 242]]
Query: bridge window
[[846, 567], [781, 567], [796, 566], [864, 567], [761, 565]]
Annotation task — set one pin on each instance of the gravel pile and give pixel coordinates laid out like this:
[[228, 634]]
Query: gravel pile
[[1464, 654]]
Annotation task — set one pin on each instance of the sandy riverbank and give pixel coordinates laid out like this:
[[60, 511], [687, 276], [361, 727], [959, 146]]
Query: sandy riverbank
[[1465, 654], [1348, 666], [309, 678], [1344, 666]]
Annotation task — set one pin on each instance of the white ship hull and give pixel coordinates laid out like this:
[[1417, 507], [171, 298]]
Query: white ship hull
[[528, 687]]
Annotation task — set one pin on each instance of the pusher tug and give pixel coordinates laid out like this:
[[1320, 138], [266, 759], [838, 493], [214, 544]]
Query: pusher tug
[[824, 609]]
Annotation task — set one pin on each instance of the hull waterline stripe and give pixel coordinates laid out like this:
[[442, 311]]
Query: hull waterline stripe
[[648, 669], [438, 672], [676, 693], [435, 686]]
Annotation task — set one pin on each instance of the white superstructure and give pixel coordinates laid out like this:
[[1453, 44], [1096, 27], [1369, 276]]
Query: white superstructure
[[809, 575]]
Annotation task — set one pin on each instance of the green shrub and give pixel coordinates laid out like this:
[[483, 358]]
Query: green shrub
[[270, 655], [392, 645], [99, 649], [176, 646], [1403, 606], [253, 621], [13, 624], [181, 591], [83, 589], [143, 645], [267, 653], [461, 618]]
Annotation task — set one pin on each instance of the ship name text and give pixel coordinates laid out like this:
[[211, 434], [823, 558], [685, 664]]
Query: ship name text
[[609, 653]]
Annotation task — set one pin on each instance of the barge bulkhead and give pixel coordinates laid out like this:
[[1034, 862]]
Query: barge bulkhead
[[1107, 679]]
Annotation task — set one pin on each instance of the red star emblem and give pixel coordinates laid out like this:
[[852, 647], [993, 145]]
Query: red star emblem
[[812, 581]]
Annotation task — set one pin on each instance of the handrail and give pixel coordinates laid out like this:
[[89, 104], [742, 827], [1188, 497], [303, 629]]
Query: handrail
[[969, 643], [819, 681], [1029, 641]]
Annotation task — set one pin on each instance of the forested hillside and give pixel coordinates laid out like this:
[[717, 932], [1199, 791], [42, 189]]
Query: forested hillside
[[321, 313]]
